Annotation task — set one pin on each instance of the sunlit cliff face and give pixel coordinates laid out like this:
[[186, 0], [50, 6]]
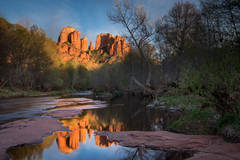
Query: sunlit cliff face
[[83, 127], [75, 49]]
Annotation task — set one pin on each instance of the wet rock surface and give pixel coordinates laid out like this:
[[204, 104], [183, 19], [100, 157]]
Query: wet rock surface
[[26, 131], [32, 130], [204, 147], [113, 120]]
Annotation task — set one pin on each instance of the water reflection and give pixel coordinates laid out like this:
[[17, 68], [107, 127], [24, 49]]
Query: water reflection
[[83, 127], [81, 143], [58, 147]]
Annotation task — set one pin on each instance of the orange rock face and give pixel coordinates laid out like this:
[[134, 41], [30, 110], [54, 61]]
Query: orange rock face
[[69, 41], [90, 48], [75, 39], [104, 41], [65, 34], [73, 48], [84, 46], [117, 45]]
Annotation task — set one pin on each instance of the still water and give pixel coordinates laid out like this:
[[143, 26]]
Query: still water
[[124, 114]]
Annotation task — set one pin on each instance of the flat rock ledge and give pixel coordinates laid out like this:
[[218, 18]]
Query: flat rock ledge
[[204, 146], [30, 131]]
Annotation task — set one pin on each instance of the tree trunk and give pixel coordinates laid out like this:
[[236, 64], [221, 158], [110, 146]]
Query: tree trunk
[[149, 69], [149, 75], [145, 88], [3, 84]]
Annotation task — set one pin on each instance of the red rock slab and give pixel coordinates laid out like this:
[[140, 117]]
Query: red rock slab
[[205, 147], [79, 107], [26, 131], [63, 113], [31, 131]]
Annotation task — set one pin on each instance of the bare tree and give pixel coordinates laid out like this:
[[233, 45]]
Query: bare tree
[[179, 28], [138, 31], [221, 19]]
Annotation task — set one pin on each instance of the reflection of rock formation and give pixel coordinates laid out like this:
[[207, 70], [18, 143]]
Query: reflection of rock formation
[[63, 143], [82, 128], [69, 141], [102, 141], [90, 131]]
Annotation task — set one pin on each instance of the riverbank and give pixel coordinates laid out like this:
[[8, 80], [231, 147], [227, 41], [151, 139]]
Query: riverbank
[[200, 116], [6, 93], [201, 146]]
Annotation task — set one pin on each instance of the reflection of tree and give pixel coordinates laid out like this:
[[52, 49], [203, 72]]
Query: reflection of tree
[[31, 152], [142, 153]]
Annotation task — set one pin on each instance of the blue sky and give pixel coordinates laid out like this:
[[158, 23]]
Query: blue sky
[[88, 16]]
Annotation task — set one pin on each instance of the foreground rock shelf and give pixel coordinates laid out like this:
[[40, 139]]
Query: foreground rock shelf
[[26, 132], [30, 131], [205, 147]]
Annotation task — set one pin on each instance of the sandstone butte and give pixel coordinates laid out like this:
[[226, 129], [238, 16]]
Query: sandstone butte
[[74, 48]]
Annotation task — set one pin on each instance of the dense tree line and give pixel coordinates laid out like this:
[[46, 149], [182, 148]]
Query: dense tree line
[[28, 60], [209, 39], [198, 48], [23, 54]]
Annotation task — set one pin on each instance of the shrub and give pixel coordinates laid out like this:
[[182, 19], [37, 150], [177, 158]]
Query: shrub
[[217, 79]]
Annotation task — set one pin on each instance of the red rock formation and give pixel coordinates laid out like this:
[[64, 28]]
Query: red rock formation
[[104, 41], [69, 41], [117, 45], [84, 45], [90, 48], [73, 48], [75, 39], [64, 34]]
